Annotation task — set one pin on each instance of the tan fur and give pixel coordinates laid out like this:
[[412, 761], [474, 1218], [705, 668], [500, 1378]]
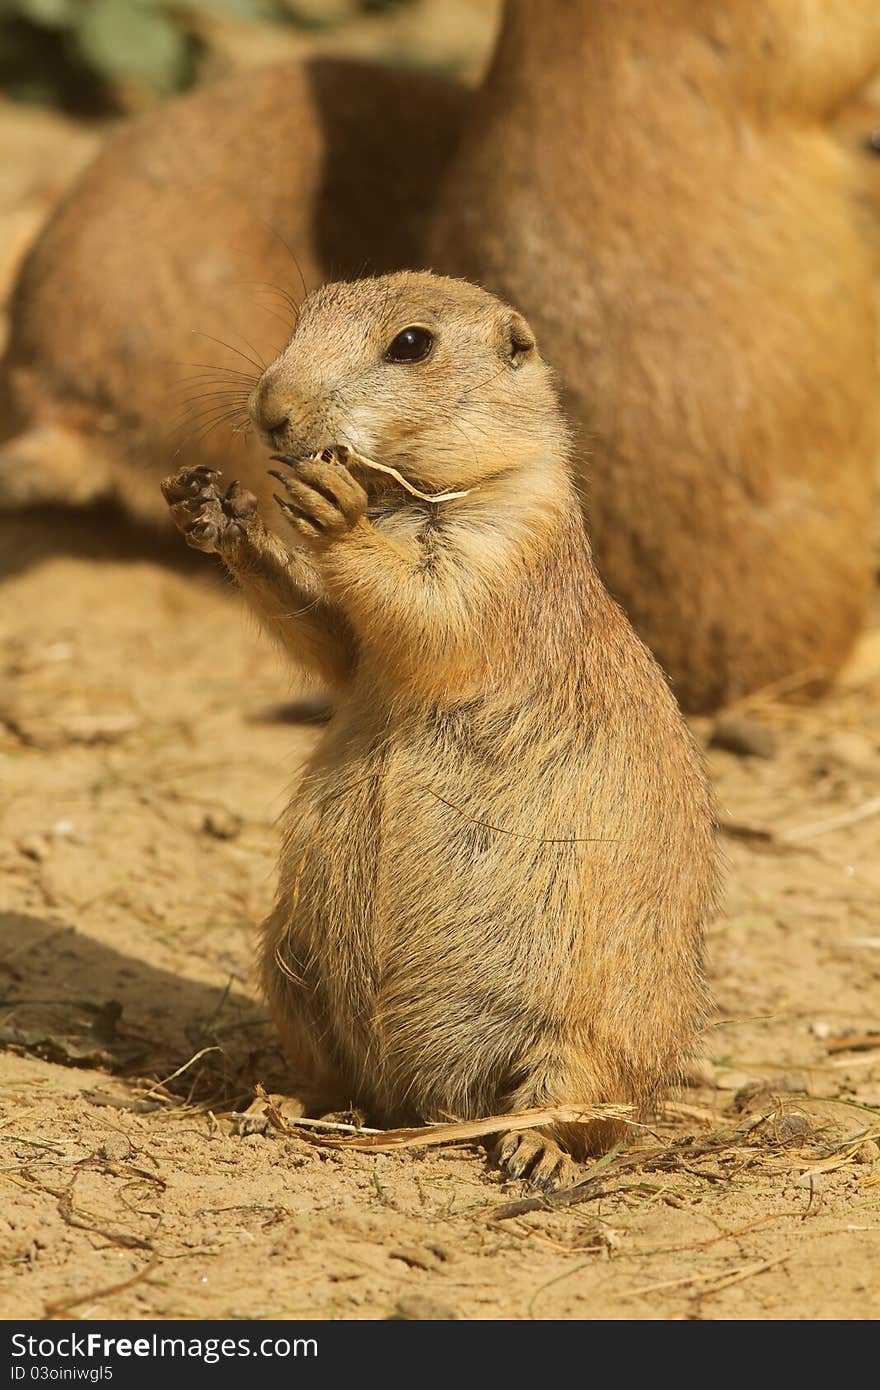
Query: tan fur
[[658, 186], [496, 870], [181, 227]]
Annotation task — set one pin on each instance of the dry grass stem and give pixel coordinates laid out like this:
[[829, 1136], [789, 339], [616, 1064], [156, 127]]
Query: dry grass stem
[[159, 1086], [360, 460], [721, 1281], [458, 1132]]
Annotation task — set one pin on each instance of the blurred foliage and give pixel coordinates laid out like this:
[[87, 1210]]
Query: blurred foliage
[[92, 55]]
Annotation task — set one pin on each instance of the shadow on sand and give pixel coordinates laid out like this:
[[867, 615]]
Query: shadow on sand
[[70, 999]]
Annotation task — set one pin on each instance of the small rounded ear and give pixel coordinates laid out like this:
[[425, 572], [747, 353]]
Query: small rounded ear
[[517, 339]]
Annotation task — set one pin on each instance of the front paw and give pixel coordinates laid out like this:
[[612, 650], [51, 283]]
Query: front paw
[[324, 502], [209, 520]]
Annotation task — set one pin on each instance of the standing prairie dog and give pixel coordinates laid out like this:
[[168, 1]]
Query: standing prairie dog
[[661, 189], [495, 872]]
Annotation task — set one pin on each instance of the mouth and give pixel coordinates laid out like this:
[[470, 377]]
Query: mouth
[[367, 470], [284, 437]]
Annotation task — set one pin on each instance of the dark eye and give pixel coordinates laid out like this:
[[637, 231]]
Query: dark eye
[[410, 345]]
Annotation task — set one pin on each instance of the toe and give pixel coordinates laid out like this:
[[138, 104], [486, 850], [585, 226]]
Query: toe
[[239, 503], [553, 1170], [203, 535], [187, 484], [334, 482], [518, 1152], [308, 501], [540, 1159], [303, 525]]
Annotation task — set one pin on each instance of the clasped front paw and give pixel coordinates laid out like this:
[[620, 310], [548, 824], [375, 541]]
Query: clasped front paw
[[322, 501], [208, 519]]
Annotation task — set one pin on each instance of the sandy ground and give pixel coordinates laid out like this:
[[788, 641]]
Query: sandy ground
[[146, 752]]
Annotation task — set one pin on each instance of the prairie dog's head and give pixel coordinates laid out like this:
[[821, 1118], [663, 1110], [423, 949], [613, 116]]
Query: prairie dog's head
[[433, 376]]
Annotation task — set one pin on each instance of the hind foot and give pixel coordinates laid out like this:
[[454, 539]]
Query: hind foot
[[530, 1155], [208, 519]]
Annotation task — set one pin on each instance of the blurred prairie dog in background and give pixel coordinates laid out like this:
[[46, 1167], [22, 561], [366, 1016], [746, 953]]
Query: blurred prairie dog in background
[[496, 870], [656, 185]]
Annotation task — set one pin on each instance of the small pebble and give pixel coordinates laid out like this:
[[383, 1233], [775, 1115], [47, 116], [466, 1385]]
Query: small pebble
[[868, 1151], [820, 1029], [116, 1148], [738, 734], [793, 1129]]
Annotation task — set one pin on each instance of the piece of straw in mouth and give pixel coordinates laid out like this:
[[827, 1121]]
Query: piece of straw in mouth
[[346, 454]]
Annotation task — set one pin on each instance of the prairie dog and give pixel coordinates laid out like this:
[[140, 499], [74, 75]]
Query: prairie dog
[[495, 872], [661, 189]]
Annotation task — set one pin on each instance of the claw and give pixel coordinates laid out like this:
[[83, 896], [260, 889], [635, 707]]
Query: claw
[[276, 473], [296, 515], [543, 1182], [290, 459], [538, 1160]]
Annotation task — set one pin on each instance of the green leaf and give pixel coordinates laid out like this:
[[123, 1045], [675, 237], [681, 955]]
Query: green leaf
[[132, 39]]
